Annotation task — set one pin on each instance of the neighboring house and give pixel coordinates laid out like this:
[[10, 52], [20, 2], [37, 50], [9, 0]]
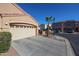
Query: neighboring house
[[66, 26], [44, 26], [13, 19]]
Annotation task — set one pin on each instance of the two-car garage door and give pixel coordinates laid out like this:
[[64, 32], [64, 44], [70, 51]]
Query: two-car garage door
[[21, 31]]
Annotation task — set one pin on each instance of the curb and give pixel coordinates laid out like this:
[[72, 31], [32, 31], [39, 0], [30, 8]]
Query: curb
[[69, 48]]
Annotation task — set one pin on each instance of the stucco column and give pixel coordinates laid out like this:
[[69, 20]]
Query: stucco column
[[36, 30]]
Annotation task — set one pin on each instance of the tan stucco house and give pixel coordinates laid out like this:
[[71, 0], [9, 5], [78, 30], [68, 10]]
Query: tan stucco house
[[13, 19]]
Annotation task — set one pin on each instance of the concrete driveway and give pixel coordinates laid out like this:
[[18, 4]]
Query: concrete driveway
[[39, 46]]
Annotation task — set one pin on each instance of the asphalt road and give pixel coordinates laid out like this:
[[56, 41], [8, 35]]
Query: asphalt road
[[74, 40]]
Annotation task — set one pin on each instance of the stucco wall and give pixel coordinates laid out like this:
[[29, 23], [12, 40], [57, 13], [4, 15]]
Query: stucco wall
[[8, 8], [10, 14], [5, 21]]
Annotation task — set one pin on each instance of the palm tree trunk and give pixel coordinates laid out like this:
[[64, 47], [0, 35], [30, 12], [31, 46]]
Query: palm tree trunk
[[48, 30]]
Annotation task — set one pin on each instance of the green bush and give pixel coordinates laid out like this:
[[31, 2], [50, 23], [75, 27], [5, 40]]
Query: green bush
[[5, 41]]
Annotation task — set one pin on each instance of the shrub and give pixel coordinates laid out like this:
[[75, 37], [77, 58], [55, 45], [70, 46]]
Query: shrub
[[5, 41]]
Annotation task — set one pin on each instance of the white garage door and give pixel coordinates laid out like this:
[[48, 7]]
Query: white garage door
[[19, 32]]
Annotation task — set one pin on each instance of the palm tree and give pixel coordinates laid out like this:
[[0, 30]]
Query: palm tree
[[49, 20]]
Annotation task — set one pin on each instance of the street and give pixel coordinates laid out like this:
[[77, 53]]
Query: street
[[74, 40]]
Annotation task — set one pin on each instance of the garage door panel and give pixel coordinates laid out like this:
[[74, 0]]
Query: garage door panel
[[19, 33]]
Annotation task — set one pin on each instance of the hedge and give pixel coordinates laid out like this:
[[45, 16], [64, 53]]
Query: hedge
[[5, 41]]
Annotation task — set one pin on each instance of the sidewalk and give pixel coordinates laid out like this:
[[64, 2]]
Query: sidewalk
[[69, 50]]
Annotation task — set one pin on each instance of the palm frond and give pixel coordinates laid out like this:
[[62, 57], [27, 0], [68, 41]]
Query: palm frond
[[50, 19], [47, 18]]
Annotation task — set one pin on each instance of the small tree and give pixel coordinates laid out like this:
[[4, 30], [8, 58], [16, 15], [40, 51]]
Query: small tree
[[49, 20]]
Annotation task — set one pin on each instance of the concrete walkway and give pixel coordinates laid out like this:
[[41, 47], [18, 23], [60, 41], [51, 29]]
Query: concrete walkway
[[40, 46]]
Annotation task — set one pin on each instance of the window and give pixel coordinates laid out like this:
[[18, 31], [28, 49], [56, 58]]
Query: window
[[32, 27], [27, 26], [77, 24], [21, 26], [24, 26], [17, 26]]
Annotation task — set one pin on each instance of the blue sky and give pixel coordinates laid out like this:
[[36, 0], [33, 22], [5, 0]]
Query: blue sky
[[60, 11]]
